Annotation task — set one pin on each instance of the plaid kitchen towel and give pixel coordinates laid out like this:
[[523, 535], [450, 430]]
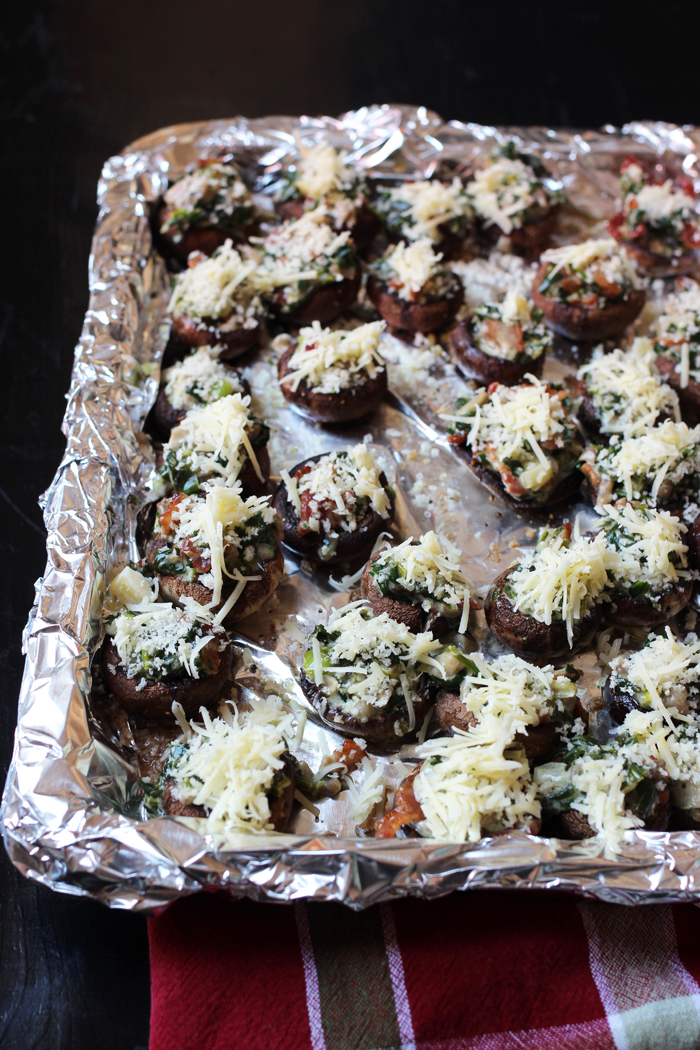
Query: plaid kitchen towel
[[472, 971]]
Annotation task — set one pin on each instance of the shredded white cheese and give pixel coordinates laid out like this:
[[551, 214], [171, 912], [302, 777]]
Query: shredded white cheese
[[229, 765], [412, 266], [432, 204], [503, 192], [627, 391], [330, 361], [213, 439], [218, 288], [199, 379]]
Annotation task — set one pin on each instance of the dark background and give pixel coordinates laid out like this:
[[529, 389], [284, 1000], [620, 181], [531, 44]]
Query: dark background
[[82, 79]]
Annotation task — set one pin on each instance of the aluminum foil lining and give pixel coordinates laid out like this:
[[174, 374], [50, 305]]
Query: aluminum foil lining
[[72, 810]]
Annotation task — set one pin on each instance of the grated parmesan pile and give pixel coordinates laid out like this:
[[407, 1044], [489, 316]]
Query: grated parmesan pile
[[652, 465], [431, 204], [588, 257], [299, 249], [161, 640], [412, 266], [678, 330], [645, 545]]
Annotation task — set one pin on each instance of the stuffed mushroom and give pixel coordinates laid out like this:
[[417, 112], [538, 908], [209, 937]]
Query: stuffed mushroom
[[220, 442], [204, 207], [603, 789], [478, 781], [549, 602], [588, 291], [502, 342], [368, 675], [334, 376], [412, 288], [321, 176], [308, 271], [233, 770], [648, 576], [420, 583], [512, 197], [219, 549], [200, 379], [623, 393], [551, 694], [522, 442], [440, 211], [215, 301], [661, 467], [334, 506], [157, 655], [677, 345], [658, 221]]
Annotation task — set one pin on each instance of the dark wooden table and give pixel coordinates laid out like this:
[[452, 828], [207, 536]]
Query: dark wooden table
[[79, 82]]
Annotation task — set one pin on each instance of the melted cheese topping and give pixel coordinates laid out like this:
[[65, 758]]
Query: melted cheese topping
[[413, 265], [330, 361], [481, 780], [321, 170], [432, 204], [666, 454], [297, 249], [626, 389], [229, 766], [158, 634], [217, 287], [218, 521], [431, 565], [504, 191], [648, 545], [603, 254], [214, 439], [333, 477], [201, 377], [560, 582]]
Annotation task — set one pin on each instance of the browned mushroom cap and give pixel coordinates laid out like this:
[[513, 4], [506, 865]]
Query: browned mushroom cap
[[538, 742], [532, 237], [377, 730], [156, 698], [643, 612], [167, 417], [525, 635], [688, 396], [652, 264], [579, 322], [414, 317], [567, 489], [324, 304], [280, 805], [208, 332], [255, 592], [346, 406], [351, 545], [486, 368]]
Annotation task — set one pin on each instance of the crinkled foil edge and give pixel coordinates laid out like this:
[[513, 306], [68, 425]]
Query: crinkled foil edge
[[67, 793]]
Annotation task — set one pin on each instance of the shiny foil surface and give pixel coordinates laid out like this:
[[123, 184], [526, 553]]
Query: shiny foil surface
[[73, 815]]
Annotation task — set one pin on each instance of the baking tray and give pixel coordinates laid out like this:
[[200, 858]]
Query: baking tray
[[72, 807]]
